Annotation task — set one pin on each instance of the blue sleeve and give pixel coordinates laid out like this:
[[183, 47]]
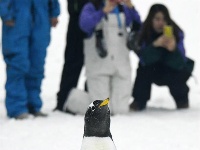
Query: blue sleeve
[[5, 10], [54, 8], [180, 45], [131, 15], [89, 18]]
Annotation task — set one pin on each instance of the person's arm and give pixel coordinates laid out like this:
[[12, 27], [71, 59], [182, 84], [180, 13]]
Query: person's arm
[[180, 45], [75, 6], [149, 54], [134, 22], [89, 18], [176, 59], [131, 13], [6, 12], [54, 8], [54, 12], [3, 9]]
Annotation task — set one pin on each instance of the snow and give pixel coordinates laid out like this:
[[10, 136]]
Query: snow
[[160, 127]]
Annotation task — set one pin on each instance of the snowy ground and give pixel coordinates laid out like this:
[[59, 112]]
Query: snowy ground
[[160, 127]]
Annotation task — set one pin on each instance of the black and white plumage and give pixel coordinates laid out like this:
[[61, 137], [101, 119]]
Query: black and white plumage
[[97, 134]]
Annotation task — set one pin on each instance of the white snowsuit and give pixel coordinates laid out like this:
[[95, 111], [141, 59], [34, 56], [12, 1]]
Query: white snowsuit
[[110, 76]]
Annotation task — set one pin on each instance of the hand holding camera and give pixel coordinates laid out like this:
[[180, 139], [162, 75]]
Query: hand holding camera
[[110, 5], [169, 43], [167, 40], [128, 3]]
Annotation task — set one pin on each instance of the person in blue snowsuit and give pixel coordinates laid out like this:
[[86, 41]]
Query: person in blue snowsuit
[[25, 37]]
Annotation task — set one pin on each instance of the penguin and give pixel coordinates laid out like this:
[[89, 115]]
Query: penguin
[[97, 135]]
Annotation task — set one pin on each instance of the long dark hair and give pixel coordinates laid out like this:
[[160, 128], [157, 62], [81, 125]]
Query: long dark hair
[[147, 28]]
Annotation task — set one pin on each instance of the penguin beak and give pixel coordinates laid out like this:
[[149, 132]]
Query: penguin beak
[[105, 102]]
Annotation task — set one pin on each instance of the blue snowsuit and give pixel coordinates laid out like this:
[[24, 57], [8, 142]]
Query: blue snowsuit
[[24, 50], [3, 4]]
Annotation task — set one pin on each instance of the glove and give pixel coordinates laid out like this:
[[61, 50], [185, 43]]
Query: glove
[[100, 44]]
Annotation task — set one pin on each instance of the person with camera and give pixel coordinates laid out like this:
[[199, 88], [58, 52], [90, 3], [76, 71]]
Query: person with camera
[[107, 62], [159, 45], [25, 38]]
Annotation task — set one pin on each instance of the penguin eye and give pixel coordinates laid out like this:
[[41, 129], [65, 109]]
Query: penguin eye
[[93, 108]]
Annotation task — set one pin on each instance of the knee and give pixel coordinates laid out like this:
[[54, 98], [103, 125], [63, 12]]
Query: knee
[[17, 67]]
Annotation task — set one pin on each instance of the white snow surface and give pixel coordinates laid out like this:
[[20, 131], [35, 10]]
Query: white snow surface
[[160, 127]]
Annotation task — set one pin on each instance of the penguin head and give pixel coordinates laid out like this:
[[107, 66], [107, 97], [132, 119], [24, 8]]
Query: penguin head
[[97, 119]]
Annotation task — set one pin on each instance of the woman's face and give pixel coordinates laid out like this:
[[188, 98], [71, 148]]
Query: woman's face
[[159, 22]]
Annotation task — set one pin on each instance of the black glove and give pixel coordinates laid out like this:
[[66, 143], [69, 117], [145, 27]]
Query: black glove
[[100, 44]]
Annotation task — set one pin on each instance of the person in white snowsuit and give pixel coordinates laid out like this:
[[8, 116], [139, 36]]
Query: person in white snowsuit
[[107, 61]]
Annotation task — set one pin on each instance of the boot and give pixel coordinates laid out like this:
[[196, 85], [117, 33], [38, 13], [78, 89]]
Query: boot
[[136, 106], [40, 114], [22, 116], [182, 105]]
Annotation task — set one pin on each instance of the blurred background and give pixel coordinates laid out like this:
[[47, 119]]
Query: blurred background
[[160, 127]]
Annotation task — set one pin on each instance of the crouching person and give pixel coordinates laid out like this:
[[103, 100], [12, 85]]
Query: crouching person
[[159, 45]]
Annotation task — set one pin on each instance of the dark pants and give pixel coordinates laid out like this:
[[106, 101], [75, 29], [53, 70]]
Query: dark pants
[[160, 75], [74, 59]]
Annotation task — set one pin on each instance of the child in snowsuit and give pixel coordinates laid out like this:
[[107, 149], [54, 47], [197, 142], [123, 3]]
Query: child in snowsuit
[[162, 59], [25, 37], [107, 62]]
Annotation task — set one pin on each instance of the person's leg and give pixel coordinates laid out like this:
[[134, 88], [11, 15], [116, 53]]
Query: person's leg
[[121, 87], [142, 87], [176, 81], [39, 41], [35, 75], [15, 52], [73, 62]]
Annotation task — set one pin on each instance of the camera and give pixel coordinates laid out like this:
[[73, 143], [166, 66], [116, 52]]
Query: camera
[[168, 31]]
